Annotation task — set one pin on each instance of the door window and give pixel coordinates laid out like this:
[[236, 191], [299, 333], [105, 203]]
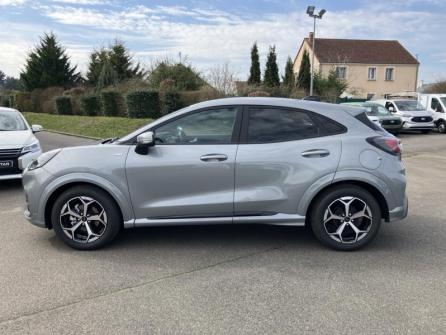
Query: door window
[[213, 126], [434, 104], [268, 125]]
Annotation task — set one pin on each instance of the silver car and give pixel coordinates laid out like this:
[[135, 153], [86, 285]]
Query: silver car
[[229, 161]]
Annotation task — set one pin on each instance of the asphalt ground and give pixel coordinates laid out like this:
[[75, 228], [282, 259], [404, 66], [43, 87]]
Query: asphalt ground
[[232, 279]]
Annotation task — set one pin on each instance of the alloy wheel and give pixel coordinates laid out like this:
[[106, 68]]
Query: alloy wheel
[[83, 219], [348, 220]]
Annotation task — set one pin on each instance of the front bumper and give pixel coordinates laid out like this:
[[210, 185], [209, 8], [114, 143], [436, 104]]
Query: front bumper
[[418, 125], [22, 162]]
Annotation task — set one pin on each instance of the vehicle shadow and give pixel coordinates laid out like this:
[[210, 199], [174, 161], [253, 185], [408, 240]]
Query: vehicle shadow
[[10, 185]]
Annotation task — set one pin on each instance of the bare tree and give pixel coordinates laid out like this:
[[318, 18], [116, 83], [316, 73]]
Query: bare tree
[[223, 79]]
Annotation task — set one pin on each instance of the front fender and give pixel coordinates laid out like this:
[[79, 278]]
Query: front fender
[[118, 195]]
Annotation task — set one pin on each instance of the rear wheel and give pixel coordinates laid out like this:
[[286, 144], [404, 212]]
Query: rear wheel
[[85, 218], [346, 217], [441, 127]]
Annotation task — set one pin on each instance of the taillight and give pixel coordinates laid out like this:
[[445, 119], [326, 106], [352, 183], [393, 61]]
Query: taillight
[[390, 145]]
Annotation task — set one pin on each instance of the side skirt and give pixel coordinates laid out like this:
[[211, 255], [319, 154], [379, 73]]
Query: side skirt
[[279, 219]]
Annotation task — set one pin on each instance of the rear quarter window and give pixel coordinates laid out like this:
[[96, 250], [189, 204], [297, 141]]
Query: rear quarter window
[[363, 118]]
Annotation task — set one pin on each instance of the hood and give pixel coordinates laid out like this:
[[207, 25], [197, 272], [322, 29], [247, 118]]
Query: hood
[[16, 139], [416, 113]]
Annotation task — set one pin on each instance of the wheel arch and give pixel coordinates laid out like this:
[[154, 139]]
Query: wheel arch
[[48, 199], [366, 186]]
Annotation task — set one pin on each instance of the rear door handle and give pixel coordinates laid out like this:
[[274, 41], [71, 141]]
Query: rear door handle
[[214, 158], [314, 153]]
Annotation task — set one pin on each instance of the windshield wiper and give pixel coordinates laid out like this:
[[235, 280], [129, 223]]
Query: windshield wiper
[[110, 140]]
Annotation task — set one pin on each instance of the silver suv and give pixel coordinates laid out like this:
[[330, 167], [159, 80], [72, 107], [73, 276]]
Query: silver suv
[[229, 161]]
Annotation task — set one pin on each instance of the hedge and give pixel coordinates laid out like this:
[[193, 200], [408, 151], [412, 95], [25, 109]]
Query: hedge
[[91, 105], [63, 105], [171, 101], [22, 102], [110, 103], [143, 104]]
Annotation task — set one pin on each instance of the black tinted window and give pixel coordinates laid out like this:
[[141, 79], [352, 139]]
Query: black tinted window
[[278, 125], [330, 127]]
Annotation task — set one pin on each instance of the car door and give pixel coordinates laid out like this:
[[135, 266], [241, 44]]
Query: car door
[[282, 152], [189, 172]]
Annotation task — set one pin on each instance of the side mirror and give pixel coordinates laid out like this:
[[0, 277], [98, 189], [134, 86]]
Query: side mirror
[[36, 128], [391, 109], [144, 141]]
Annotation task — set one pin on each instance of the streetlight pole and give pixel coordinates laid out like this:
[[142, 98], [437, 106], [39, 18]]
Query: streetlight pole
[[310, 12]]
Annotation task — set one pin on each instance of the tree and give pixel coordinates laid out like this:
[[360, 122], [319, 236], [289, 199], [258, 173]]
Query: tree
[[222, 79], [2, 78], [118, 57], [289, 79], [304, 76], [12, 83], [254, 72], [271, 77], [184, 76], [330, 88], [108, 76], [48, 65]]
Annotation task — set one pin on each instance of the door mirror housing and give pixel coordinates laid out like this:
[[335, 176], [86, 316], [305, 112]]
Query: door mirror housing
[[36, 128], [144, 141]]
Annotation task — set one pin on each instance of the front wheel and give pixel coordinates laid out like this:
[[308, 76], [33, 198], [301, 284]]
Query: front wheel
[[85, 218], [346, 217], [442, 127]]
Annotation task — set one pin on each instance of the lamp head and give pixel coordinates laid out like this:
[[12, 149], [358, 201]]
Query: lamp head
[[321, 13], [310, 10]]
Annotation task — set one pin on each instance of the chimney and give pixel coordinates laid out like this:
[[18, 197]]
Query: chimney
[[310, 38]]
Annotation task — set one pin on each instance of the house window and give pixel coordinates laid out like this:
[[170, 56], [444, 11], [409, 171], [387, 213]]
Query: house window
[[341, 72], [372, 73], [389, 73]]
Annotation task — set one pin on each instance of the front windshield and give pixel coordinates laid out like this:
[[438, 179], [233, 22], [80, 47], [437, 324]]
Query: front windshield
[[409, 105], [443, 100], [11, 121], [376, 110]]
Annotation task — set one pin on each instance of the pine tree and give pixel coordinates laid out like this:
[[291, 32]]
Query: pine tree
[[118, 57], [254, 73], [304, 77], [108, 76], [289, 79], [48, 65], [2, 78], [271, 77]]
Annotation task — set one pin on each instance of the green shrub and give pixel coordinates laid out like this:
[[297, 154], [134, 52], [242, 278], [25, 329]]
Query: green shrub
[[110, 103], [91, 105], [204, 94], [63, 105], [4, 101], [12, 100], [22, 101], [259, 94], [171, 101], [143, 104]]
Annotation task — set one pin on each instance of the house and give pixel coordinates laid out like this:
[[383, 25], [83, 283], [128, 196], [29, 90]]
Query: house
[[372, 68]]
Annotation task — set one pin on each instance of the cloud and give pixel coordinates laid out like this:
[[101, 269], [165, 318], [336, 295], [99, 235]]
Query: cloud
[[83, 2], [12, 2]]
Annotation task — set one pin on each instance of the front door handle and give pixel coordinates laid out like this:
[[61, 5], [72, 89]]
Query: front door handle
[[214, 158], [315, 153]]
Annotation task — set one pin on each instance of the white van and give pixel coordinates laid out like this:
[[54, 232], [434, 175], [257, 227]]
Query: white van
[[414, 116], [435, 104]]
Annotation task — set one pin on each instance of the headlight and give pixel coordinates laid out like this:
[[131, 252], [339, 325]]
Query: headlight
[[33, 147], [43, 159]]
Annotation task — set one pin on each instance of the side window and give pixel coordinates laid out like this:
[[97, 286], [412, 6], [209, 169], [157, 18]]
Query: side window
[[214, 126], [434, 104], [267, 125], [389, 104]]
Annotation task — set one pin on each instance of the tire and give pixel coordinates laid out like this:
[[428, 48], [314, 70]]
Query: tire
[[89, 234], [335, 200], [441, 127]]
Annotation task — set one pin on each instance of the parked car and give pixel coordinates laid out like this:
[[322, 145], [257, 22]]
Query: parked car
[[414, 116], [228, 161], [377, 113], [435, 104], [18, 145]]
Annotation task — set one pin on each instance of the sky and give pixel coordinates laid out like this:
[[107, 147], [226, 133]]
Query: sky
[[211, 33]]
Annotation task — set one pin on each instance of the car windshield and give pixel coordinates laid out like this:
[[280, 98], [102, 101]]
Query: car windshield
[[409, 105], [376, 110], [11, 121]]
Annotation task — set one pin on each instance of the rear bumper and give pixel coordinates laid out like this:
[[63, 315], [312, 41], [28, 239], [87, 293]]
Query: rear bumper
[[399, 213]]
